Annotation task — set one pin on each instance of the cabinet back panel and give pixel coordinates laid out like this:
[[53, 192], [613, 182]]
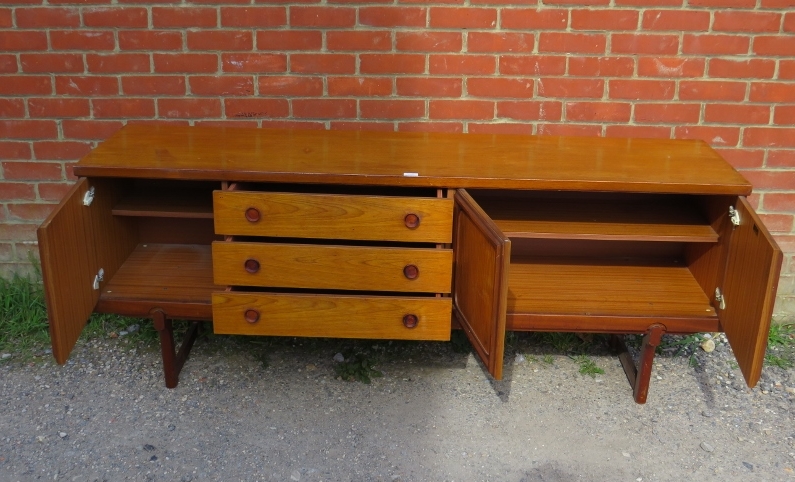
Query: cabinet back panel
[[597, 249], [176, 231]]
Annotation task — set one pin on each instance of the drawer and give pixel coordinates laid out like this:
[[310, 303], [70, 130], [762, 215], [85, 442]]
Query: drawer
[[377, 317], [333, 216], [333, 267]]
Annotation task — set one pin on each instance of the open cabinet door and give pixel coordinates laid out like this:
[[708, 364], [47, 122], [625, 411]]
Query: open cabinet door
[[75, 242], [480, 290], [752, 273]]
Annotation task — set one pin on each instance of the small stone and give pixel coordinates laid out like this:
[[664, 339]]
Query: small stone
[[171, 427], [749, 466], [296, 475], [113, 334], [149, 447], [625, 454], [707, 413], [519, 358], [133, 328], [122, 333], [153, 458], [790, 390], [41, 438], [5, 355], [707, 447], [708, 346], [62, 434], [339, 358]]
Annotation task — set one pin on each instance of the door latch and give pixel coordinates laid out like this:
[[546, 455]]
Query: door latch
[[88, 197], [100, 277], [720, 299], [734, 216]]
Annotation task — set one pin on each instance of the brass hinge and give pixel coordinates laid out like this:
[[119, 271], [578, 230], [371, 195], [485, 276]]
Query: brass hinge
[[720, 299], [88, 197], [734, 216]]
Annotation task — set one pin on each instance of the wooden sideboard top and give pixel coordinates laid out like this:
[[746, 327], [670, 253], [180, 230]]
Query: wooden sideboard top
[[414, 159]]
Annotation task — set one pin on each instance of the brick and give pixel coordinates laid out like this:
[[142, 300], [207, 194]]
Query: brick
[[12, 108], [362, 126], [21, 232], [86, 85], [461, 109], [777, 3], [463, 17], [323, 63], [711, 90], [722, 3], [676, 113], [153, 85], [784, 115], [598, 112], [117, 63], [16, 40], [499, 128], [736, 114], [293, 124], [14, 150], [322, 17], [290, 40], [221, 85], [61, 150], [186, 63], [226, 123], [776, 92], [676, 20], [392, 109], [128, 17], [777, 223], [55, 107], [324, 108], [715, 136], [183, 17], [769, 137], [534, 19], [8, 64], [150, 40], [359, 86], [392, 16], [256, 108], [291, 85], [123, 108], [82, 40], [642, 89], [532, 65], [570, 88], [737, 69], [649, 3], [669, 67], [450, 127], [594, 3], [220, 40], [358, 40], [783, 158], [462, 64], [257, 63], [25, 85], [433, 87], [51, 63], [729, 21], [770, 180], [426, 41], [77, 2], [569, 130], [16, 191], [530, 110], [601, 66], [774, 45], [47, 17], [32, 171], [28, 129], [6, 20], [713, 44], [743, 158], [90, 129], [789, 20], [391, 63], [262, 17], [604, 20], [53, 191], [500, 42], [500, 87], [29, 211], [188, 108], [655, 44], [570, 43], [645, 132]]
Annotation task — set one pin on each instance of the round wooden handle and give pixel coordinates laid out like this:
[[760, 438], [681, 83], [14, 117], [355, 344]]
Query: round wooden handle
[[410, 321], [411, 271], [412, 221], [251, 265], [252, 215], [251, 315]]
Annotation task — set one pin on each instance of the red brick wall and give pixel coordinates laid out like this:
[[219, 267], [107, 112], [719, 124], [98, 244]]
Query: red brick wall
[[74, 71]]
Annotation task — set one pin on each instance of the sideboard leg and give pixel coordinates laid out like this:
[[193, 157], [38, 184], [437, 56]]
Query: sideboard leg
[[172, 360], [639, 376]]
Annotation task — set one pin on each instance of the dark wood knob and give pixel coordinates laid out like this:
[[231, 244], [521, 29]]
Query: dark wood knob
[[410, 321], [252, 215], [251, 265], [412, 221], [411, 271], [252, 316]]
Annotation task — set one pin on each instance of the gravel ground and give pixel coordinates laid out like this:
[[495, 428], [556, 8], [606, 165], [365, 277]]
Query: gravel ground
[[276, 410]]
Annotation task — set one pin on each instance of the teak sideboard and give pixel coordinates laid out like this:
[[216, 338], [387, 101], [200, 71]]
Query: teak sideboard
[[407, 235]]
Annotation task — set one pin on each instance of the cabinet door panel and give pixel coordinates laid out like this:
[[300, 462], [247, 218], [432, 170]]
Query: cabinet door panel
[[752, 273], [75, 241], [480, 289]]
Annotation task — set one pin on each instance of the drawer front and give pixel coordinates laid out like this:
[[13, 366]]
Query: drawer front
[[377, 317], [333, 267], [332, 216]]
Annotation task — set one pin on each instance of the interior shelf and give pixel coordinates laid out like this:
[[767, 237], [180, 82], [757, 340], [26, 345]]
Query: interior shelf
[[196, 204], [674, 219], [585, 286]]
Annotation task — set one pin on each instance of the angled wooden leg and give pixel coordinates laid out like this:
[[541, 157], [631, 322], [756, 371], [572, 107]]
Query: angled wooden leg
[[172, 360], [639, 376]]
